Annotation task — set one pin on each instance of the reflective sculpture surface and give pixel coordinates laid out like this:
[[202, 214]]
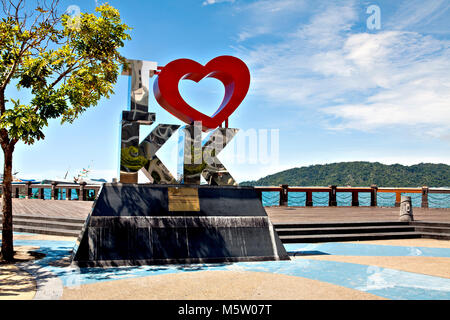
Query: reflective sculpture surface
[[135, 156], [215, 172], [154, 169], [197, 157]]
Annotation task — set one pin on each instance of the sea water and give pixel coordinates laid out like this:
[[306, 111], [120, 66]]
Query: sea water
[[61, 194], [385, 199]]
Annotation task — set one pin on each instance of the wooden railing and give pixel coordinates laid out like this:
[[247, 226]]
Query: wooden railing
[[82, 190], [284, 191]]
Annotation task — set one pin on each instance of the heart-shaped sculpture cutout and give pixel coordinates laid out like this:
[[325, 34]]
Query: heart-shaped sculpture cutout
[[231, 71]]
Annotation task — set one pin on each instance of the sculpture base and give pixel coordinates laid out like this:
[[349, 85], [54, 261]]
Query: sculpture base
[[146, 224]]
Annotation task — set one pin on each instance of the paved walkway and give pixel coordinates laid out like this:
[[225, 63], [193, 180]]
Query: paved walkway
[[16, 284], [385, 269]]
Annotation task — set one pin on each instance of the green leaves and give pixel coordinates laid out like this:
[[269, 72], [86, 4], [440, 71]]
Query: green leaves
[[68, 64], [23, 123]]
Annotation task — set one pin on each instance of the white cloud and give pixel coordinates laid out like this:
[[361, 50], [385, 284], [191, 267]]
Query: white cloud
[[267, 17], [360, 81], [209, 2], [409, 71], [288, 71], [418, 13]]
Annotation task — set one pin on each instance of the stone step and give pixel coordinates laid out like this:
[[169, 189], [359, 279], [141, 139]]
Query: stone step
[[430, 224], [429, 229], [339, 224], [47, 218], [344, 230], [60, 226], [348, 237], [53, 231], [438, 236], [47, 224]]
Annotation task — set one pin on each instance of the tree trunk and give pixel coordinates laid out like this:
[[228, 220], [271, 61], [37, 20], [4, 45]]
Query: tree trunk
[[7, 231]]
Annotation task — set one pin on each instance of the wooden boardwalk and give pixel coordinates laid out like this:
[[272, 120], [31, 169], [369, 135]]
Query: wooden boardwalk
[[52, 208], [350, 214], [80, 209]]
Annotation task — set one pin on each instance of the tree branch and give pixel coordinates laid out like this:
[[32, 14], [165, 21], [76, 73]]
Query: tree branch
[[50, 19], [13, 68], [13, 142], [65, 73], [6, 8], [2, 101], [4, 138]]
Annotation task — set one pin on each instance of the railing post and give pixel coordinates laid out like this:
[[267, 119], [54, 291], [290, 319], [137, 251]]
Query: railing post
[[425, 191], [373, 195], [398, 196], [406, 209], [17, 192], [82, 196], [95, 193], [309, 201], [259, 193], [68, 193], [355, 200], [284, 195], [28, 190], [332, 202], [41, 193], [54, 191]]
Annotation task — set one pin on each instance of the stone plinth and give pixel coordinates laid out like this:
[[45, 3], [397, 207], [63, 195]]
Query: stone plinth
[[144, 224]]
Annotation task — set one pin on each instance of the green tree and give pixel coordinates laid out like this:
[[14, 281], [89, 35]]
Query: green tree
[[360, 174], [66, 63]]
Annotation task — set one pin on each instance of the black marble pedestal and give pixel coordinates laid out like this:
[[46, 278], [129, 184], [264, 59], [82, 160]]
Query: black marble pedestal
[[145, 224]]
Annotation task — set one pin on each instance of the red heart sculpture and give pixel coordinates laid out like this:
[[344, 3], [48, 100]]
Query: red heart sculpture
[[233, 73]]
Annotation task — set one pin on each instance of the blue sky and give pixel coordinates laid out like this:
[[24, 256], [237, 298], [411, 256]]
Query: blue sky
[[334, 89]]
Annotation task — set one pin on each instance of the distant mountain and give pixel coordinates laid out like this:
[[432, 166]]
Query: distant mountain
[[360, 174]]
